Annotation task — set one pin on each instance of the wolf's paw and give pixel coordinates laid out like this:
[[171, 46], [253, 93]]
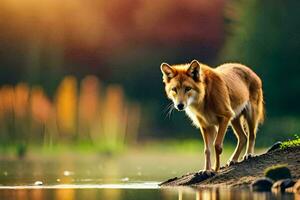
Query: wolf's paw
[[207, 173], [231, 162], [201, 176], [248, 156]]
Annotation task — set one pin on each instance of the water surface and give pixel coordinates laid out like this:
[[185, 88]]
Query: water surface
[[126, 177]]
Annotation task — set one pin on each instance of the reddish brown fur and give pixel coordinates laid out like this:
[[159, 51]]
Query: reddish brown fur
[[214, 98]]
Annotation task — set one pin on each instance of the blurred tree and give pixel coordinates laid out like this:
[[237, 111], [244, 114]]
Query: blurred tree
[[266, 36]]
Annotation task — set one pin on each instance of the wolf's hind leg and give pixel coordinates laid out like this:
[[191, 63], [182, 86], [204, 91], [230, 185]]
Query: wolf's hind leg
[[252, 119], [241, 139]]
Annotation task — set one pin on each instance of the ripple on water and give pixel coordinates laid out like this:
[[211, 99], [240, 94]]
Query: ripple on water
[[144, 185]]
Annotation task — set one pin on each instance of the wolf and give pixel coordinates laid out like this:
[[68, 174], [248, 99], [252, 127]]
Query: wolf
[[214, 98]]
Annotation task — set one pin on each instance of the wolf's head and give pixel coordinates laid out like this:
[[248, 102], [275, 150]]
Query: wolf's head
[[183, 83]]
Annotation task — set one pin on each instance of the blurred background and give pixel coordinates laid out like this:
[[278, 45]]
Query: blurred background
[[84, 74]]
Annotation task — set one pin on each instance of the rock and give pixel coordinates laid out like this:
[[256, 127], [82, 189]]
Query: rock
[[297, 187], [278, 172], [262, 185], [275, 146], [282, 185], [38, 183]]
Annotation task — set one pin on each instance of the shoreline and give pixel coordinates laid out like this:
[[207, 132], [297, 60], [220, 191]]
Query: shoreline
[[243, 173]]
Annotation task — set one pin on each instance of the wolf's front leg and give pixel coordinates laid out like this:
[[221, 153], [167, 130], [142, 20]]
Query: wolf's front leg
[[208, 134], [218, 143]]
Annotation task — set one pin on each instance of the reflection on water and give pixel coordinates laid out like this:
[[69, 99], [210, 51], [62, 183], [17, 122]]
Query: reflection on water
[[122, 178], [83, 169], [96, 192]]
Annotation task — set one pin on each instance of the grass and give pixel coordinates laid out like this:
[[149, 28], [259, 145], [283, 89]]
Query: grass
[[182, 146], [189, 146], [291, 143], [19, 150]]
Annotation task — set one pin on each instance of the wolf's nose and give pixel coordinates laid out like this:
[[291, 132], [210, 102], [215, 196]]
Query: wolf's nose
[[180, 106]]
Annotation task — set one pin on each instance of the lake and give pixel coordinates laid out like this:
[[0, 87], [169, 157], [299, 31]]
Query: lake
[[132, 175]]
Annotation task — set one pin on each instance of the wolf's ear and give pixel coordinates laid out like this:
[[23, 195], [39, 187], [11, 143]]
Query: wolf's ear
[[194, 70], [167, 71]]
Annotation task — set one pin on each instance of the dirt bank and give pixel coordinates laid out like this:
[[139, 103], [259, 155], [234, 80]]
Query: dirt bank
[[244, 173]]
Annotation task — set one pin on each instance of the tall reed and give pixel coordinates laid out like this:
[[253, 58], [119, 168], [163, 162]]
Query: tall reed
[[78, 113]]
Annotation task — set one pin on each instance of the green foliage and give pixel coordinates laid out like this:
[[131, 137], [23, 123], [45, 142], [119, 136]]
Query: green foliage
[[265, 36], [291, 143], [278, 172]]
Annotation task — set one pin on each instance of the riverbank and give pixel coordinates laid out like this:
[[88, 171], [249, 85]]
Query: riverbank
[[244, 173]]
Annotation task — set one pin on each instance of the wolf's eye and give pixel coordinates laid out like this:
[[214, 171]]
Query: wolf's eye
[[174, 89], [187, 89]]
